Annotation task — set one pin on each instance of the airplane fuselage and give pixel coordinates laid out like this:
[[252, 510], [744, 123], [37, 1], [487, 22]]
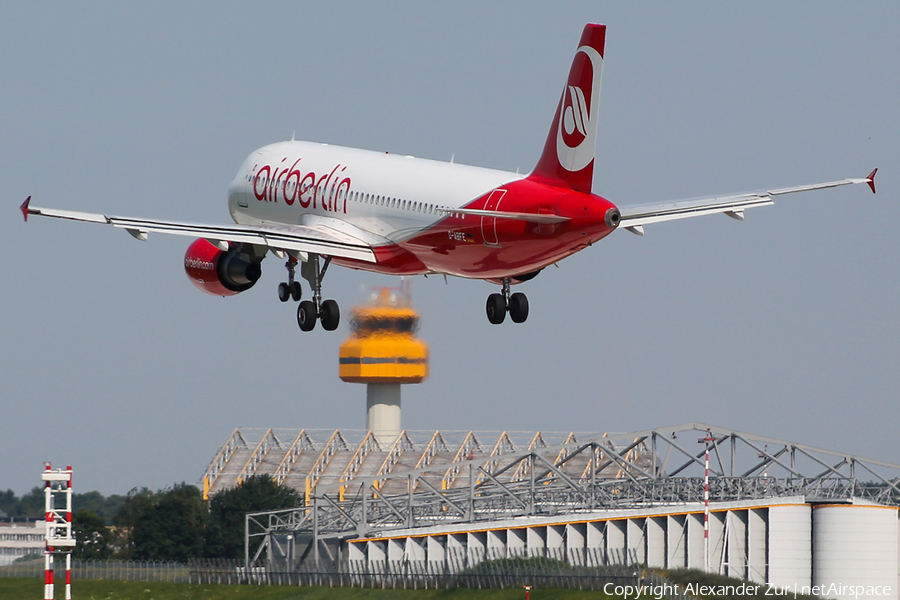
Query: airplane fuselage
[[403, 206]]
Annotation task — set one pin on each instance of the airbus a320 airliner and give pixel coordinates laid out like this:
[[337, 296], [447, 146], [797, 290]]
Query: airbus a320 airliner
[[312, 205]]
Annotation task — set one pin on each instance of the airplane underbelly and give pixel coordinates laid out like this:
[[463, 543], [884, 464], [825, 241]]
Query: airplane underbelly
[[464, 253], [491, 262]]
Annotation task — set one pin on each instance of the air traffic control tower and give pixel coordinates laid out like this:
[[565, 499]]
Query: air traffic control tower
[[384, 353]]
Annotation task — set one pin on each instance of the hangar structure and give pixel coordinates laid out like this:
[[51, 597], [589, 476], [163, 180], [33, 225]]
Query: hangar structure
[[780, 512]]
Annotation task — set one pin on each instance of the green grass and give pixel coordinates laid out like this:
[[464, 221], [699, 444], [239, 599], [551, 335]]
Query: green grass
[[20, 588], [16, 588]]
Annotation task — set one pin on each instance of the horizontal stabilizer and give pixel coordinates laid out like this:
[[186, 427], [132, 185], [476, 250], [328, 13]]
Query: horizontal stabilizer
[[497, 214]]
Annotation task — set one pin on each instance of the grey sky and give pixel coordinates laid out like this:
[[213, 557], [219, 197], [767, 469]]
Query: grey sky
[[784, 325]]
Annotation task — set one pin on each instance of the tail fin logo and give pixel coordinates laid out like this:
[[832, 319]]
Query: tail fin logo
[[576, 118], [577, 135]]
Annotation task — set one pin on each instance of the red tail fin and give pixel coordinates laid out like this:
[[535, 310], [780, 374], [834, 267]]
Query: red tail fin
[[568, 156]]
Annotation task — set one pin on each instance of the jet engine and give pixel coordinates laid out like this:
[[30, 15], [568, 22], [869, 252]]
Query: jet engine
[[222, 272]]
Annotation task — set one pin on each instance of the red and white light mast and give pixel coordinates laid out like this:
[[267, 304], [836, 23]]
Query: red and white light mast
[[58, 534], [709, 438]]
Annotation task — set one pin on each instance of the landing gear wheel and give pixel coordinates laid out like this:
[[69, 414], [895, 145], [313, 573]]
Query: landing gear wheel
[[496, 308], [295, 290], [331, 315], [306, 315], [518, 307], [284, 292]]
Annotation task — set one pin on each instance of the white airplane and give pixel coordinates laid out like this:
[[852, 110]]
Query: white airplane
[[313, 204]]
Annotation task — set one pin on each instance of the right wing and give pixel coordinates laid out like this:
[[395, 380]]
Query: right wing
[[314, 239], [635, 217]]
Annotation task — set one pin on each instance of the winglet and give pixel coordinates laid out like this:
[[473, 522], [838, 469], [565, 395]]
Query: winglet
[[871, 180], [24, 208]]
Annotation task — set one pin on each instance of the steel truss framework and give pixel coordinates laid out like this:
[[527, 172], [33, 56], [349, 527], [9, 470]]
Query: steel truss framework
[[538, 482], [326, 460]]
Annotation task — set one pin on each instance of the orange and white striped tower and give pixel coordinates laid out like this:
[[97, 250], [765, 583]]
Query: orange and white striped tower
[[58, 534], [384, 353]]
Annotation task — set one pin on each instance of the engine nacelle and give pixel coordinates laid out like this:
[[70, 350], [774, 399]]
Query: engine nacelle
[[221, 273]]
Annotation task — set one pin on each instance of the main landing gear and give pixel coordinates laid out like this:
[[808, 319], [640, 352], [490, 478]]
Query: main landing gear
[[309, 311], [499, 304]]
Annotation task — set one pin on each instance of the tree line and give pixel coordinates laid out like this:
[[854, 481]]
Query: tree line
[[172, 524], [31, 505]]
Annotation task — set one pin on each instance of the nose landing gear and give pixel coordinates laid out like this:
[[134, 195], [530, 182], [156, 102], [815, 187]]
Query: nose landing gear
[[499, 304]]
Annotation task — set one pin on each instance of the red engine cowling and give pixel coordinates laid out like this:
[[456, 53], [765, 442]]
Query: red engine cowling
[[221, 273]]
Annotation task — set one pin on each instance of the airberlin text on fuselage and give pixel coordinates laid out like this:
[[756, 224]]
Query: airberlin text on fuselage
[[289, 184]]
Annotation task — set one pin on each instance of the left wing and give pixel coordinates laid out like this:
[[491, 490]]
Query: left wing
[[316, 239], [635, 217]]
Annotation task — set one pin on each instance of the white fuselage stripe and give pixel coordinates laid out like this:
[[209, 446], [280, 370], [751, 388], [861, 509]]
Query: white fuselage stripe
[[381, 196]]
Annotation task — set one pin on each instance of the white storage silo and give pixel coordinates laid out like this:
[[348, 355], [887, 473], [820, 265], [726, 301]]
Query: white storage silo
[[790, 546], [855, 545]]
